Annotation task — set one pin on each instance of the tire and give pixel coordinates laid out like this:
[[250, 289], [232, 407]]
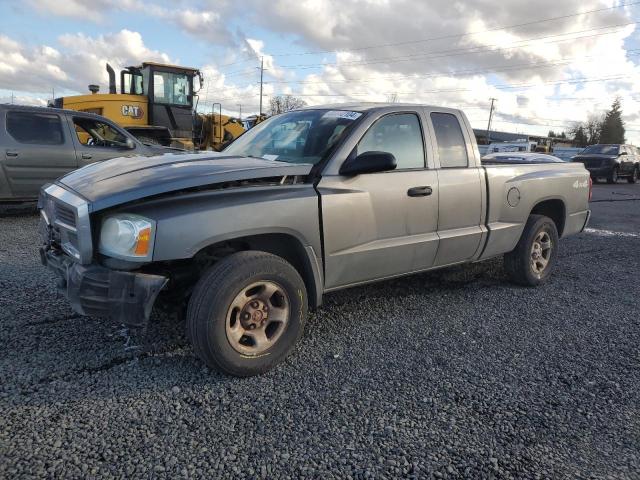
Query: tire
[[216, 325], [634, 176], [613, 176], [519, 263]]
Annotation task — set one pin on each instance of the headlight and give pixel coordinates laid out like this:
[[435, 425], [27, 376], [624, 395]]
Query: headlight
[[128, 237]]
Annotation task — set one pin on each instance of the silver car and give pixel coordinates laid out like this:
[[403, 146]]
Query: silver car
[[38, 145]]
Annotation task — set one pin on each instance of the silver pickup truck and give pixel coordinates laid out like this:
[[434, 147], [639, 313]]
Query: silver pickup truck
[[307, 202]]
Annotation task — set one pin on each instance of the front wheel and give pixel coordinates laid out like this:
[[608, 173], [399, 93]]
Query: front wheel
[[634, 176], [531, 262], [247, 313], [613, 176]]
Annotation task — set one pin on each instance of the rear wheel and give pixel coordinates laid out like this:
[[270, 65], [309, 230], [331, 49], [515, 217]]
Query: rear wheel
[[634, 176], [247, 313], [613, 176], [532, 261]]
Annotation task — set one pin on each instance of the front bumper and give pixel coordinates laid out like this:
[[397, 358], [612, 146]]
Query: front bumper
[[96, 291]]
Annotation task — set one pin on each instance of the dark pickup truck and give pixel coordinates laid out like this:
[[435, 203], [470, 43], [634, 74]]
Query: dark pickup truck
[[41, 144], [611, 161]]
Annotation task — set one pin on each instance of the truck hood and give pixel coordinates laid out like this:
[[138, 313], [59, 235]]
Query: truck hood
[[125, 179]]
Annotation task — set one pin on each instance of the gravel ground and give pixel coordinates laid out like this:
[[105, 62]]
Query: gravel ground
[[449, 374]]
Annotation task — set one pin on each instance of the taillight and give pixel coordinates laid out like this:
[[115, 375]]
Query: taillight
[[590, 187]]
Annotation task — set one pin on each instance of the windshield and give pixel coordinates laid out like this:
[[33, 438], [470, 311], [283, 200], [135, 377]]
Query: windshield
[[602, 149], [303, 136], [171, 88]]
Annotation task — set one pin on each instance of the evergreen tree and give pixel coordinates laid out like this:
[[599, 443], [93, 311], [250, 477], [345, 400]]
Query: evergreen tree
[[612, 127], [579, 137]]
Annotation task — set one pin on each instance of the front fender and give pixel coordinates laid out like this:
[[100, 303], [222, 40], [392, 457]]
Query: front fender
[[188, 222]]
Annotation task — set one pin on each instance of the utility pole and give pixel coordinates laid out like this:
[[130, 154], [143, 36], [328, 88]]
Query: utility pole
[[12, 98], [240, 114], [261, 78], [490, 118]]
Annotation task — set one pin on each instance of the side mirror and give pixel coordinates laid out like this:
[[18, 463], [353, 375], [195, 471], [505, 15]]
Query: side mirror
[[130, 144], [368, 162], [622, 153]]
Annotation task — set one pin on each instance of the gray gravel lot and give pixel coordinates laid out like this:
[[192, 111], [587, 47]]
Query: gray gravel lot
[[448, 374]]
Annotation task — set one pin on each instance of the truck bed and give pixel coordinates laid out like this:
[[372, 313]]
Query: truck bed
[[514, 190]]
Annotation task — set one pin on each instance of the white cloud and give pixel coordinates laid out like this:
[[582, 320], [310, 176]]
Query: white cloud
[[448, 68], [578, 45], [81, 61], [205, 25], [93, 11]]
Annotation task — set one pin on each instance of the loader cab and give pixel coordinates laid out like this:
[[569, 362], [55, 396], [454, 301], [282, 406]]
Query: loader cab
[[170, 91]]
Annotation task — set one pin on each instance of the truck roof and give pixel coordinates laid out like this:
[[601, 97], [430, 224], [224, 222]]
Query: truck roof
[[43, 109], [368, 106]]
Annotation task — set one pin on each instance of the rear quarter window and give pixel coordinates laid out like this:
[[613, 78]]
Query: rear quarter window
[[35, 128], [452, 148]]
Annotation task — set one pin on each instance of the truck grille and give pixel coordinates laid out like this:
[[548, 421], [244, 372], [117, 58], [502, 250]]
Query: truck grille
[[66, 223], [65, 215]]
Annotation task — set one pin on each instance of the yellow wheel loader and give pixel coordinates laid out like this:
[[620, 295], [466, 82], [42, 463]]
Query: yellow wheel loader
[[157, 104]]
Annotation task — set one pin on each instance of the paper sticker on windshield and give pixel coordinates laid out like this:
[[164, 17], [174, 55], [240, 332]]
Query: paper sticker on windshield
[[270, 157], [342, 114]]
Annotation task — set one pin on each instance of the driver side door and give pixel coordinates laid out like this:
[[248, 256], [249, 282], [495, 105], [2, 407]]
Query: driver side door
[[96, 140], [381, 225]]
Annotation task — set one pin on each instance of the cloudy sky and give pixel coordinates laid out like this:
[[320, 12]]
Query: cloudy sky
[[548, 63]]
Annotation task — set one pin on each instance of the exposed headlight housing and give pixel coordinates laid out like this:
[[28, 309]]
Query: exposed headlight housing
[[128, 237]]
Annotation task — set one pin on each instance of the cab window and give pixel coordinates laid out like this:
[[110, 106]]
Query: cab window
[[93, 133], [171, 88], [398, 134], [35, 128], [132, 83], [452, 148]]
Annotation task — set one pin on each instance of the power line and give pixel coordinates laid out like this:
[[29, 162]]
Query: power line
[[454, 73], [498, 87], [235, 73], [444, 37], [463, 51]]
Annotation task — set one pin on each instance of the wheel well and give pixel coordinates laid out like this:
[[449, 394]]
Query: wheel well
[[280, 244], [555, 210]]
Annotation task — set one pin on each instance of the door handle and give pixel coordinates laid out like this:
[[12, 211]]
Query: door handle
[[12, 153], [86, 156], [419, 191]]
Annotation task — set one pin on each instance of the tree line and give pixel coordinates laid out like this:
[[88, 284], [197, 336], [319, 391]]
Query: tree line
[[605, 128]]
